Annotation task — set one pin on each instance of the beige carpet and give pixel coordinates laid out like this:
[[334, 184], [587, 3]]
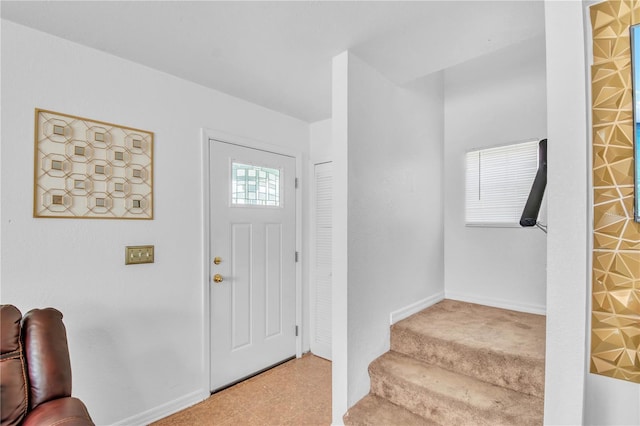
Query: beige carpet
[[297, 392], [458, 363]]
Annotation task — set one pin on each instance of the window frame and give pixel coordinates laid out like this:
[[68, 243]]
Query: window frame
[[530, 173], [281, 198]]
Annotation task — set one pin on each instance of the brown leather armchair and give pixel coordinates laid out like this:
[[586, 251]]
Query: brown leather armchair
[[35, 371]]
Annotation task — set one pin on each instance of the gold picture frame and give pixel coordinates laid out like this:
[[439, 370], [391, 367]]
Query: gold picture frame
[[90, 169]]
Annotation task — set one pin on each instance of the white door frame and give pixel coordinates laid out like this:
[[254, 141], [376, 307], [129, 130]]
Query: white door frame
[[207, 135]]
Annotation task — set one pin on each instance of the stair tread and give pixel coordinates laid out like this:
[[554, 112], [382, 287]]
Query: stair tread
[[405, 372], [458, 363], [373, 410], [498, 346], [481, 327]]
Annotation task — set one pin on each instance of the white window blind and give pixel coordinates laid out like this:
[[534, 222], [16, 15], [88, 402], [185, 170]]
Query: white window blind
[[498, 181]]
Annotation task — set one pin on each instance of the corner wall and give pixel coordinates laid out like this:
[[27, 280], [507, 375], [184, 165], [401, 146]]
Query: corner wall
[[135, 332], [496, 99], [567, 246], [388, 221], [320, 142]]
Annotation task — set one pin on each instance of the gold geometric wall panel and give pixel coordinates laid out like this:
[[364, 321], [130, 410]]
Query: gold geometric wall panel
[[615, 319], [91, 169]]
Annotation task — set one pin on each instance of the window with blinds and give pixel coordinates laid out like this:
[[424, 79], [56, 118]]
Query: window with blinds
[[498, 181]]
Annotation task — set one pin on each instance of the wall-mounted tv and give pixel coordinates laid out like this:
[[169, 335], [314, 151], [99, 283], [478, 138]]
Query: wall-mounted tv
[[635, 71]]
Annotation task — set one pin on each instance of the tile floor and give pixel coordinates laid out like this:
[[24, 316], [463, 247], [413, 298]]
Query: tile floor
[[297, 392]]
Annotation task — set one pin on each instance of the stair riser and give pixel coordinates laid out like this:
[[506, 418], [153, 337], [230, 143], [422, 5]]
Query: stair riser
[[445, 410], [519, 374], [374, 411]]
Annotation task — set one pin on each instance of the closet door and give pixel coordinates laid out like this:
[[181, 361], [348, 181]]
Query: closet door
[[321, 262]]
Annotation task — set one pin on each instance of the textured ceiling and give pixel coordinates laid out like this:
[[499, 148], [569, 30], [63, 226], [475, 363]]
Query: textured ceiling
[[278, 54]]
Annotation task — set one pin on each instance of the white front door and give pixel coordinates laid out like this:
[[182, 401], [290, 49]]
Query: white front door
[[253, 273]]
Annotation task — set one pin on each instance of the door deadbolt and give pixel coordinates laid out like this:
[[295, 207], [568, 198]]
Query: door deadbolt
[[217, 260]]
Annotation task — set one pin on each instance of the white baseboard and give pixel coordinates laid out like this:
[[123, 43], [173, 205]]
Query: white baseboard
[[164, 410], [415, 307], [497, 303], [322, 350]]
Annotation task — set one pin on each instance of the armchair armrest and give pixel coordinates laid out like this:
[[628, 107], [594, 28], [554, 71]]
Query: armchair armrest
[[63, 411]]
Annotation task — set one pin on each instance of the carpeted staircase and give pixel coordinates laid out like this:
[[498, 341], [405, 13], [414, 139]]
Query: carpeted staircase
[[458, 363]]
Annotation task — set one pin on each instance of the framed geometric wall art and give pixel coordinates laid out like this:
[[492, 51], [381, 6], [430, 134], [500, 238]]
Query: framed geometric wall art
[[88, 169]]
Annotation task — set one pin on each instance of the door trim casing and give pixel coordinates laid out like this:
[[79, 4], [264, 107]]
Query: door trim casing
[[206, 136]]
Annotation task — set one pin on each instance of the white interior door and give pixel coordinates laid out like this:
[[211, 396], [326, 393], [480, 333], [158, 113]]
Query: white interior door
[[321, 266], [252, 225]]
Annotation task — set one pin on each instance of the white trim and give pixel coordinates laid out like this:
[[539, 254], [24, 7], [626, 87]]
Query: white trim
[[312, 254], [324, 160], [164, 410], [311, 232], [248, 142], [497, 303], [495, 225], [504, 144], [299, 195], [414, 308], [206, 255], [207, 135]]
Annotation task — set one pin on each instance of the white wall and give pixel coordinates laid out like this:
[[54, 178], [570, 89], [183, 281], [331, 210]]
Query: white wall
[[611, 402], [496, 99], [567, 251], [388, 144], [340, 240], [135, 332], [320, 143]]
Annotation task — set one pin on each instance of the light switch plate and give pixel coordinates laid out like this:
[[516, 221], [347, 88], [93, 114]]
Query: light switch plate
[[138, 254]]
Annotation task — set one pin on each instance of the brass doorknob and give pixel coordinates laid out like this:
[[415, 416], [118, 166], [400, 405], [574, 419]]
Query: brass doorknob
[[217, 278]]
